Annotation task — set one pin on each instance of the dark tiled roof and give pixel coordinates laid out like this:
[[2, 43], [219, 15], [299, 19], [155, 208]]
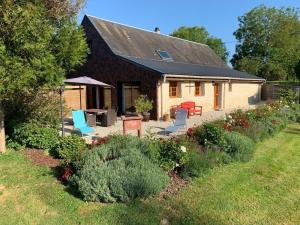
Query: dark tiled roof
[[176, 68], [139, 46], [129, 41]]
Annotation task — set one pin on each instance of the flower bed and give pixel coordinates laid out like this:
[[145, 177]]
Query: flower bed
[[122, 168], [234, 137]]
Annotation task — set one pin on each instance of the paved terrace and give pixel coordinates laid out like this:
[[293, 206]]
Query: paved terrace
[[153, 126]]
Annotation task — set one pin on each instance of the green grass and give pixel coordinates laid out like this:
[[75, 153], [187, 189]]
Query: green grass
[[265, 190]]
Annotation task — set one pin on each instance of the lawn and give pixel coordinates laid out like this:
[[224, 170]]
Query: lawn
[[265, 190]]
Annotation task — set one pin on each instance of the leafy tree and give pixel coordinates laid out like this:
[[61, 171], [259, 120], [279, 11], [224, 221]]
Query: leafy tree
[[268, 43], [37, 47], [201, 35], [58, 9]]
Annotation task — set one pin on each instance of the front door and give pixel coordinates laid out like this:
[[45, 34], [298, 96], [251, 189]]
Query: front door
[[216, 96]]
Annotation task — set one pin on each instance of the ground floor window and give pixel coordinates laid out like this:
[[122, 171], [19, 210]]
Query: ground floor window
[[199, 88], [174, 90]]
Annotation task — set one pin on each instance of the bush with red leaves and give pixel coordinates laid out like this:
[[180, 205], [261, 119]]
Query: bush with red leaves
[[100, 141], [66, 174], [190, 132]]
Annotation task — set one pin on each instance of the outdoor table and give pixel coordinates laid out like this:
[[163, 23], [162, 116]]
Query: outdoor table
[[95, 112]]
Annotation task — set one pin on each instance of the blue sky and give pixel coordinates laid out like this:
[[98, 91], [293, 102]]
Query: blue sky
[[218, 17]]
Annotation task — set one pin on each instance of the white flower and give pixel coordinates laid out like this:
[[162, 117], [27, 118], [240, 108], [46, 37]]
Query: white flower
[[176, 165], [183, 148]]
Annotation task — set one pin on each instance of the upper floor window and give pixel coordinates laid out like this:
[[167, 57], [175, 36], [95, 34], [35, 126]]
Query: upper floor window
[[173, 89]]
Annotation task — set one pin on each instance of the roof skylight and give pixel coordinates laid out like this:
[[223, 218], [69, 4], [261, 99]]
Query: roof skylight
[[164, 55]]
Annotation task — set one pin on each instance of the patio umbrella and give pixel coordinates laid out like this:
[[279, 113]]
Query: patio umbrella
[[84, 80]]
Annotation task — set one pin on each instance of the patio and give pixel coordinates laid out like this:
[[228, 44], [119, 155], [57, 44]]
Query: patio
[[153, 126]]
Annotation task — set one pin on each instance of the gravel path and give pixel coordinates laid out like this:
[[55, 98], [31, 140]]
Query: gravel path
[[153, 126]]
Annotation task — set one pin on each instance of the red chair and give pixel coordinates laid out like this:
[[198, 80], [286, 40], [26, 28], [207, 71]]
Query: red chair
[[191, 108]]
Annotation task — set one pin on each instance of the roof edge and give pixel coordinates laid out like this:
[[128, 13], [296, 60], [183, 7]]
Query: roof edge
[[146, 30], [127, 58], [215, 77]]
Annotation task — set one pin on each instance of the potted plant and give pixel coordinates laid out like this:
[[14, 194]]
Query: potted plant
[[166, 117], [143, 105]]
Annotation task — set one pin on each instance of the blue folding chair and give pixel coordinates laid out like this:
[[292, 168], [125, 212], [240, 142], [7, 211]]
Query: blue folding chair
[[80, 122], [180, 121]]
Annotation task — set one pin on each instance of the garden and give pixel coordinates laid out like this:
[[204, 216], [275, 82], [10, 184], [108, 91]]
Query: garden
[[124, 168]]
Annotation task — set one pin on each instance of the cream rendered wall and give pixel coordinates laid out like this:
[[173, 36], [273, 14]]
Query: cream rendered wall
[[187, 94], [242, 94], [237, 98]]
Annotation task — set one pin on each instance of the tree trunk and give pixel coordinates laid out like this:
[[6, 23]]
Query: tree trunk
[[2, 132]]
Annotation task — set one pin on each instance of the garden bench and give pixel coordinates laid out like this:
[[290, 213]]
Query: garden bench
[[190, 107]]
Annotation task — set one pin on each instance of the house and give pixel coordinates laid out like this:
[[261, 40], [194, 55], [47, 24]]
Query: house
[[167, 69]]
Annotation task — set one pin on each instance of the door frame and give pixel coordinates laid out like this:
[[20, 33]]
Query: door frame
[[217, 95]]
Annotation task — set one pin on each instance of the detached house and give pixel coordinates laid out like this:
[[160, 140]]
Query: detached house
[[167, 69]]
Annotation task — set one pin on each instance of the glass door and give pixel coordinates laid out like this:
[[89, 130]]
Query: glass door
[[130, 94]]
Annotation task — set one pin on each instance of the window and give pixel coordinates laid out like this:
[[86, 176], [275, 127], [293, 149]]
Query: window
[[173, 89], [199, 88], [230, 87], [164, 55]]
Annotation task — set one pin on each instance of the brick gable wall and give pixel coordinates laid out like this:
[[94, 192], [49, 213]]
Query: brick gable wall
[[104, 66]]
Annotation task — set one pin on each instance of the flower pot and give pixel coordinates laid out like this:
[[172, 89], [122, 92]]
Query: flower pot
[[166, 117], [146, 116]]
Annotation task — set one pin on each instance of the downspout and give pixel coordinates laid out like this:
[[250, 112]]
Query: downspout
[[161, 94]]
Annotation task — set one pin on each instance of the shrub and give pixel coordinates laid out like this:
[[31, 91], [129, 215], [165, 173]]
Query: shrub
[[143, 104], [239, 147], [152, 150], [118, 171], [10, 144], [71, 149], [34, 136], [288, 96], [172, 154], [257, 131], [41, 107], [297, 112], [200, 162], [210, 134], [288, 113]]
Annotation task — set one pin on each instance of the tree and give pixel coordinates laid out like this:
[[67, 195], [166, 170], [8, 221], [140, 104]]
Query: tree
[[200, 35], [37, 48], [268, 43]]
